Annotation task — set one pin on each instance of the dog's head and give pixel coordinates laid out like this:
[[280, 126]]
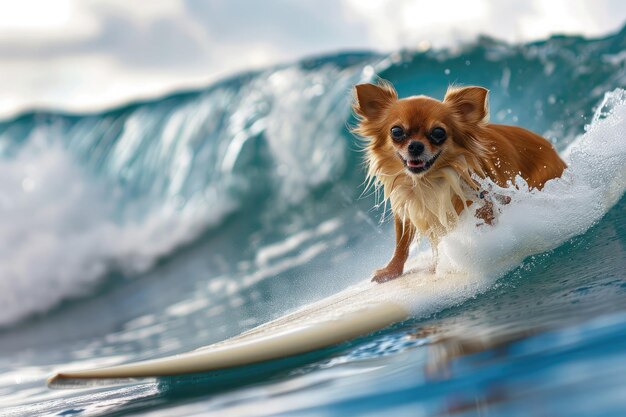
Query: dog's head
[[421, 132]]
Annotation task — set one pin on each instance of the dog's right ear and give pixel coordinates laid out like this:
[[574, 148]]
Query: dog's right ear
[[371, 99]]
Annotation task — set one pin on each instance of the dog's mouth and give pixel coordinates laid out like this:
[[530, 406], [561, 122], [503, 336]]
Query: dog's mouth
[[417, 166]]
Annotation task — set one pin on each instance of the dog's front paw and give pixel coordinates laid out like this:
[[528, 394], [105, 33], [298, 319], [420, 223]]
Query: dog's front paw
[[386, 274], [485, 213]]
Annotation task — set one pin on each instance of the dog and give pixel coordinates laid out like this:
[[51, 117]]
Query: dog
[[426, 156]]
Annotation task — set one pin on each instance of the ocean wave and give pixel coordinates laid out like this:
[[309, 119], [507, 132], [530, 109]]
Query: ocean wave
[[61, 232], [85, 195]]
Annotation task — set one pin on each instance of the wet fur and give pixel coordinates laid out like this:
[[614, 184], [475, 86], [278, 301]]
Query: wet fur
[[431, 202]]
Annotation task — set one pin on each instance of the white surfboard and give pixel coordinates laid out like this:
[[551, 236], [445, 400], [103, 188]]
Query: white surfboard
[[356, 311]]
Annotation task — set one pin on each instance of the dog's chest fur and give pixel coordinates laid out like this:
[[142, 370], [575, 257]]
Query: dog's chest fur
[[426, 201]]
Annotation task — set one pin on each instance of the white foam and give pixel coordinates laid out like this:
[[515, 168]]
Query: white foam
[[60, 231], [538, 221]]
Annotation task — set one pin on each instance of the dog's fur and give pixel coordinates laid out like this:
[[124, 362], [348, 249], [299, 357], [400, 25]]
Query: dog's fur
[[428, 202]]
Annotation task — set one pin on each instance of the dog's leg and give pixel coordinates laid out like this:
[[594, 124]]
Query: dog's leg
[[405, 232]]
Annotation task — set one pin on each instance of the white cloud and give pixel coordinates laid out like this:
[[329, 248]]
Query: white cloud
[[43, 21], [404, 23], [568, 16], [35, 15], [88, 54], [142, 11]]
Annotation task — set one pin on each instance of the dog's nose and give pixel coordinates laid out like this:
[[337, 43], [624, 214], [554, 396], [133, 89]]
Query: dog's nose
[[416, 148]]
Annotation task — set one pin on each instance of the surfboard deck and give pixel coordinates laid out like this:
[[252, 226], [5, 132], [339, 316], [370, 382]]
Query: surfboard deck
[[357, 311]]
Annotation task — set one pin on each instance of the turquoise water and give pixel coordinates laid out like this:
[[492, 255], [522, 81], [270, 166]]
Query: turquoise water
[[159, 227]]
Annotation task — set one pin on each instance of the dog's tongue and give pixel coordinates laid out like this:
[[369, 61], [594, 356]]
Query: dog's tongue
[[415, 163]]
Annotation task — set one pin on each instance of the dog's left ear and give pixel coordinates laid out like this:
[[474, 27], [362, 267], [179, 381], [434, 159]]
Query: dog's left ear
[[470, 103]]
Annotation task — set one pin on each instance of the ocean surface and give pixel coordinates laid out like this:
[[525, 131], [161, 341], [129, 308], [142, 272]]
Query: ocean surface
[[162, 226]]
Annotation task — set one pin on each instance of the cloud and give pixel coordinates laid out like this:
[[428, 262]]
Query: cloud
[[83, 55], [405, 23]]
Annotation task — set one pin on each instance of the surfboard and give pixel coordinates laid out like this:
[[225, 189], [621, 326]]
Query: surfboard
[[357, 311]]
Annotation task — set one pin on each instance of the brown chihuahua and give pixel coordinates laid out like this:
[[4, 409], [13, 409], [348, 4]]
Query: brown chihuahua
[[425, 153]]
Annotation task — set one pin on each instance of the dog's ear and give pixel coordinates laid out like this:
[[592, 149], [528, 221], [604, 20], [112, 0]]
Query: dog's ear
[[469, 103], [371, 100]]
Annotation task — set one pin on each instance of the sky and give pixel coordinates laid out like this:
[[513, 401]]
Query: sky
[[87, 55]]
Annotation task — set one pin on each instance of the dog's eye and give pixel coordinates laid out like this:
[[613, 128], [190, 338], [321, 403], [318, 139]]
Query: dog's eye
[[438, 135], [397, 133]]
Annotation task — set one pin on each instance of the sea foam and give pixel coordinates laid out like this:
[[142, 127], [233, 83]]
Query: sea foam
[[538, 221]]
